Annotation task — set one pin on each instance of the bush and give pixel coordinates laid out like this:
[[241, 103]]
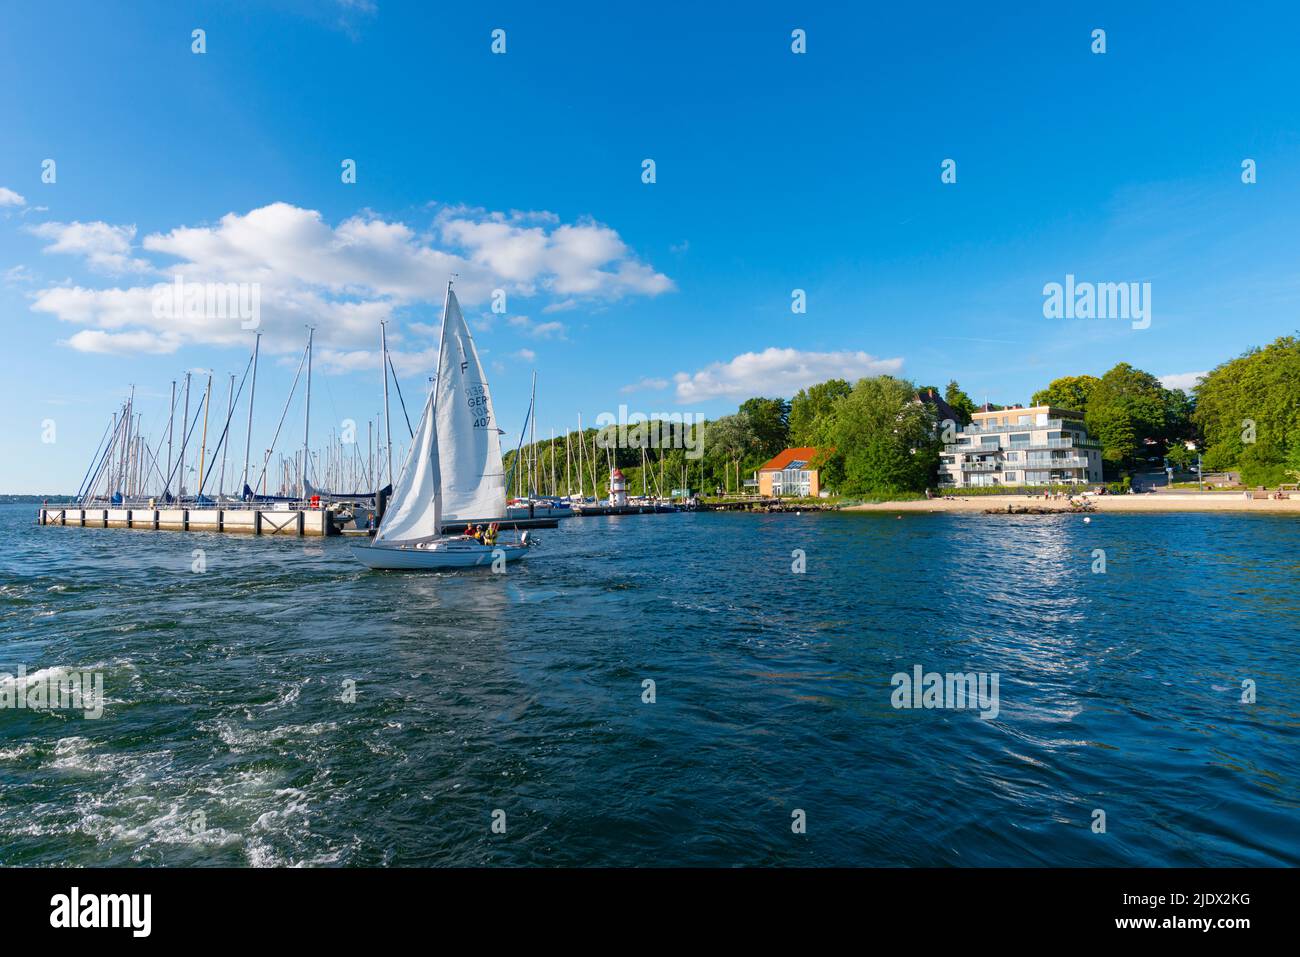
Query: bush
[[1268, 474]]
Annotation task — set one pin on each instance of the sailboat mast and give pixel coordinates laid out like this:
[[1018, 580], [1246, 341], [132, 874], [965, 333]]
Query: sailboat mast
[[185, 432], [581, 494], [388, 425], [306, 415], [532, 439], [171, 417], [248, 439], [203, 446], [230, 408]]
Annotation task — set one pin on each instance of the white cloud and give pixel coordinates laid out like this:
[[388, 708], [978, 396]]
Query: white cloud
[[407, 363], [9, 198], [645, 385], [342, 279], [1181, 380], [106, 248], [584, 259], [538, 330], [122, 343], [777, 372], [528, 355]]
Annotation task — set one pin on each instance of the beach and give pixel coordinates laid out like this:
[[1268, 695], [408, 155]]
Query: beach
[[1172, 502]]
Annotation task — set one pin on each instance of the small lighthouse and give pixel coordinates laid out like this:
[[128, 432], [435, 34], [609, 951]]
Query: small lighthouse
[[617, 488]]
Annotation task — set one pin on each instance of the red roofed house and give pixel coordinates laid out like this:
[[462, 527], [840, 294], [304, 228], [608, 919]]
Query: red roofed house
[[788, 474]]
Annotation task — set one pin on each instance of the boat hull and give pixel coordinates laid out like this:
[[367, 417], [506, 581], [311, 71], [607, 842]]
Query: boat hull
[[453, 553]]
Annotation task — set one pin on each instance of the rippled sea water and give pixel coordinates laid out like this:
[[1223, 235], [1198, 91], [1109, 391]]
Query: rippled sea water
[[523, 693]]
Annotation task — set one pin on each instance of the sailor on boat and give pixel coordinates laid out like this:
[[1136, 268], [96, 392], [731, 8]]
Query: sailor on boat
[[453, 469]]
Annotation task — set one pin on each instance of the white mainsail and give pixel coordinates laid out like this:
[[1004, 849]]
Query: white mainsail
[[469, 446], [415, 509]]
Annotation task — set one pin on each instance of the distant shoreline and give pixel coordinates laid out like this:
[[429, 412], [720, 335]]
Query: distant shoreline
[[1208, 502]]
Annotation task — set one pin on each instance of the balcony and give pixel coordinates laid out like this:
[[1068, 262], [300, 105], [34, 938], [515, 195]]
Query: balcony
[[1023, 446], [973, 429], [981, 467], [1068, 462]]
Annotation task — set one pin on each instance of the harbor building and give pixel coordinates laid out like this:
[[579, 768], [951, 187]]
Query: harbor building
[[1042, 445], [788, 474]]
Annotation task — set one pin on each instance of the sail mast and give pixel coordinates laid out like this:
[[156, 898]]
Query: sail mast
[[230, 408], [248, 439], [581, 493], [185, 433], [171, 416], [203, 446], [306, 416], [532, 440], [383, 361]]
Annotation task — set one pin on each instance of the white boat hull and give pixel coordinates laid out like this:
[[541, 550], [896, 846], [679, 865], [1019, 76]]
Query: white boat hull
[[441, 553]]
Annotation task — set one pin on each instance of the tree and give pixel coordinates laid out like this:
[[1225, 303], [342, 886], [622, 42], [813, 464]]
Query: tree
[[1113, 428], [961, 403], [1068, 392], [769, 422], [1248, 410], [884, 442], [730, 439], [1124, 409], [1180, 457], [811, 406]]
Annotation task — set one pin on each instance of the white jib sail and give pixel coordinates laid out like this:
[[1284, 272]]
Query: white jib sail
[[469, 446], [415, 509]]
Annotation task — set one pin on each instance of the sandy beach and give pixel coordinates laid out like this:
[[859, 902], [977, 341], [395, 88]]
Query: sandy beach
[[1208, 502]]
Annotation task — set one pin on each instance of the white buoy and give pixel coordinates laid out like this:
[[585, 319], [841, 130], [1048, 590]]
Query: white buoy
[[1087, 519]]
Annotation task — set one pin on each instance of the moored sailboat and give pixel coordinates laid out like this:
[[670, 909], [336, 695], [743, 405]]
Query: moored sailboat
[[453, 468]]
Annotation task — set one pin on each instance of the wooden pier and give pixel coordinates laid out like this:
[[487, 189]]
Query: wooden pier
[[252, 521]]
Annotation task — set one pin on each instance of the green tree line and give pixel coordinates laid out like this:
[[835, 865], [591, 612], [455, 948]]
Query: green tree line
[[876, 437]]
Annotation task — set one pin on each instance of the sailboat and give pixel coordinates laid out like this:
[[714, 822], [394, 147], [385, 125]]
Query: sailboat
[[453, 468]]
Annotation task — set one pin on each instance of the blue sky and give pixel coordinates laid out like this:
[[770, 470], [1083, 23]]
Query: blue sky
[[523, 171]]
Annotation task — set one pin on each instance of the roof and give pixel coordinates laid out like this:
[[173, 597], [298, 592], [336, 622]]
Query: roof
[[783, 459], [941, 408]]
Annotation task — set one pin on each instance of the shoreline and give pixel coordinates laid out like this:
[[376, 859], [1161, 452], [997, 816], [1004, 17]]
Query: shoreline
[[1172, 502]]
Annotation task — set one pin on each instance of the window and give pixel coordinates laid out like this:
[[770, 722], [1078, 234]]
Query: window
[[791, 481], [1011, 476]]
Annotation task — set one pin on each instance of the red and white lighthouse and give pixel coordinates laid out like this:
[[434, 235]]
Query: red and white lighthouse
[[617, 488]]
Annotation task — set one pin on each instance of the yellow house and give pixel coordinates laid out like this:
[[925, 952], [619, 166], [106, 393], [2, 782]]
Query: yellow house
[[788, 474]]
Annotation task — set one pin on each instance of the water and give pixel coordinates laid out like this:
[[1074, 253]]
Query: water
[[523, 693]]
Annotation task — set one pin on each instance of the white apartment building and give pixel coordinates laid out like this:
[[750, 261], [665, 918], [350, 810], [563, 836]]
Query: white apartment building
[[1042, 445]]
